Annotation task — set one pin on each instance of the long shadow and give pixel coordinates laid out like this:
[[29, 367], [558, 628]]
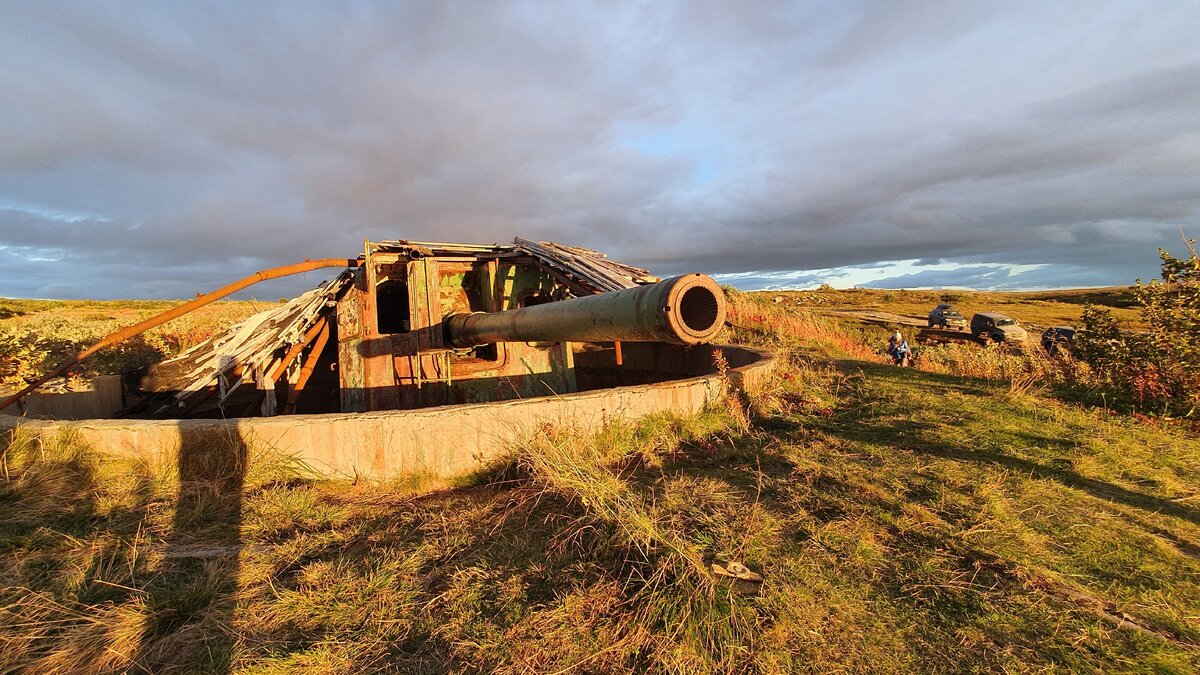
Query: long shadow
[[973, 386], [911, 436], [191, 602], [1097, 488]]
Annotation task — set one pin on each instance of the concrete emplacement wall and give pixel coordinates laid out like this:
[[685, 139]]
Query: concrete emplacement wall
[[443, 443]]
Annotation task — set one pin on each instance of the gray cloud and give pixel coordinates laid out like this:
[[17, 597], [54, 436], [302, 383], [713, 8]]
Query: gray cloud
[[157, 150]]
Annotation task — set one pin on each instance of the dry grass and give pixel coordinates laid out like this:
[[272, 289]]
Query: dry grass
[[759, 322], [36, 335], [904, 520]]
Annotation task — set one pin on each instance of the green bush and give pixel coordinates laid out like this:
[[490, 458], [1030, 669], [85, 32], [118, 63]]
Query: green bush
[[1161, 367]]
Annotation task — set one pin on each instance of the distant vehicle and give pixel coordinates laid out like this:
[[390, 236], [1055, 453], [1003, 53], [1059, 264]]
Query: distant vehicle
[[1058, 337], [945, 316], [997, 327]]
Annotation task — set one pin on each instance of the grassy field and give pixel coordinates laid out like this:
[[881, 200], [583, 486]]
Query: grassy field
[[902, 521], [1038, 310], [37, 335]]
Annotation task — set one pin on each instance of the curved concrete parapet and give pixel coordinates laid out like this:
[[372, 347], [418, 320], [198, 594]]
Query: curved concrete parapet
[[439, 443]]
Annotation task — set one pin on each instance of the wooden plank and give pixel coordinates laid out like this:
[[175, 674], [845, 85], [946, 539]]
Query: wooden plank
[[487, 285], [306, 371], [587, 266]]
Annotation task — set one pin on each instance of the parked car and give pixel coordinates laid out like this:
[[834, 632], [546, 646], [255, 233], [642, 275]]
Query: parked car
[[946, 317], [997, 327], [1058, 337]]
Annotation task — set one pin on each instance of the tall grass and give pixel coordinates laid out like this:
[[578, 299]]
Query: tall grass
[[758, 322], [684, 620], [1000, 363]]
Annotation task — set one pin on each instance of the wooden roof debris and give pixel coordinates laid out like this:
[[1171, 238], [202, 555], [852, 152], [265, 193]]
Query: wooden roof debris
[[583, 269], [592, 268], [256, 352]]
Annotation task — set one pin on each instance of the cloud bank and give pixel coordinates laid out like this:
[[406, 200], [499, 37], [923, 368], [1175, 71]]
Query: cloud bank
[[156, 150]]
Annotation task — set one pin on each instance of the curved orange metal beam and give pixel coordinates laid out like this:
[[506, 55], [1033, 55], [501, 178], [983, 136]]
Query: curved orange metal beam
[[176, 312]]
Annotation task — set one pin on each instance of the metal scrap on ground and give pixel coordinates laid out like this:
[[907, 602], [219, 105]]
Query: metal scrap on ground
[[256, 351]]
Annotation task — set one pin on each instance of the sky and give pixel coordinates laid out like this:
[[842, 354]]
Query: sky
[[157, 150]]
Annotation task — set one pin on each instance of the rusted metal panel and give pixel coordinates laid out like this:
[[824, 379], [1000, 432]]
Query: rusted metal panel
[[424, 304], [350, 337], [519, 282], [521, 371], [456, 289]]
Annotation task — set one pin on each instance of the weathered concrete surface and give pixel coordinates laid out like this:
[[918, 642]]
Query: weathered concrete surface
[[103, 399], [443, 442]]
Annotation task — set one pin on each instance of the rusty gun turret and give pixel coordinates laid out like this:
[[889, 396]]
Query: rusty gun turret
[[684, 310]]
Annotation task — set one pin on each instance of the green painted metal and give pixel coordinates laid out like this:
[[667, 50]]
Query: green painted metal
[[685, 310]]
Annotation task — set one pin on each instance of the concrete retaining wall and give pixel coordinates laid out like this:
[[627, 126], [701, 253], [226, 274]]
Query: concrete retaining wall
[[443, 443], [103, 399]]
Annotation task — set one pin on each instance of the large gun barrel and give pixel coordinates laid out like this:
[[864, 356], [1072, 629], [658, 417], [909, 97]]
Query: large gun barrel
[[684, 310]]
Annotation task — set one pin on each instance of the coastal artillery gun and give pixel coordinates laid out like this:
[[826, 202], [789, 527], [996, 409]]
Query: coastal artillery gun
[[419, 324], [436, 324]]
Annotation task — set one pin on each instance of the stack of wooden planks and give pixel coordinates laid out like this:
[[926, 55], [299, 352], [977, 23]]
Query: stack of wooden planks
[[278, 344]]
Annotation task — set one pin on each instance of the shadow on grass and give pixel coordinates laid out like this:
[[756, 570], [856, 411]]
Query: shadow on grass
[[972, 386], [191, 601], [1097, 488], [912, 436]]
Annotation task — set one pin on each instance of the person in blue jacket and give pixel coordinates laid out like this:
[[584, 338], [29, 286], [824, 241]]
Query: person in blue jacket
[[898, 349]]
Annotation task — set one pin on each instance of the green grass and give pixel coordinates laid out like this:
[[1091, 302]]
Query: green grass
[[1039, 310], [903, 521]]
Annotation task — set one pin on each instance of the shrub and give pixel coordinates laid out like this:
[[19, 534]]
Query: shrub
[[1159, 368], [1172, 308]]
